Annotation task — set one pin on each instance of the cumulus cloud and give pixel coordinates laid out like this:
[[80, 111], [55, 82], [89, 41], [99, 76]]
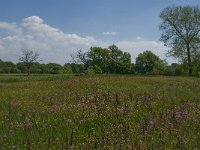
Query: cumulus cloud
[[110, 33], [54, 45], [51, 43]]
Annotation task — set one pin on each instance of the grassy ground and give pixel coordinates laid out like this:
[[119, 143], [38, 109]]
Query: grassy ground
[[10, 78], [107, 112]]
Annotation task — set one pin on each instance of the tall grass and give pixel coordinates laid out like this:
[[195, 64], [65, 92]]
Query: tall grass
[[101, 113]]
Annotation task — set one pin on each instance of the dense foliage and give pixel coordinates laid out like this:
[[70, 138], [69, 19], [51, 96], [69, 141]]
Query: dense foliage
[[149, 63], [108, 60]]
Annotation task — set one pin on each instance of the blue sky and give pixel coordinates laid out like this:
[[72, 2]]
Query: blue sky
[[57, 28]]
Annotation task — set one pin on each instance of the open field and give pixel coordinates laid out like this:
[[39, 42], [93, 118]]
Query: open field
[[104, 112], [10, 78]]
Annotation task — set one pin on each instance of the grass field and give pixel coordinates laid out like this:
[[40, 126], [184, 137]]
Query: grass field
[[104, 112]]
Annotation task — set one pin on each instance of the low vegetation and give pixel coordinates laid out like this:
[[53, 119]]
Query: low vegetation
[[107, 112]]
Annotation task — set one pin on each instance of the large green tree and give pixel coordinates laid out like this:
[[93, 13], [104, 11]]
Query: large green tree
[[99, 57], [107, 60], [149, 63], [116, 58], [181, 32]]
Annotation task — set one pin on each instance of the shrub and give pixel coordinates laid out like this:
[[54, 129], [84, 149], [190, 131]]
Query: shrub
[[90, 71], [169, 71], [97, 69], [198, 74], [67, 69], [178, 71]]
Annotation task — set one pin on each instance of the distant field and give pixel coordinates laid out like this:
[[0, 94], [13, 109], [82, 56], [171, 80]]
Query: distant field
[[104, 112], [10, 78]]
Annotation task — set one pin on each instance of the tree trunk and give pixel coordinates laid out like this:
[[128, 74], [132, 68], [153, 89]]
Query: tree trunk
[[189, 61]]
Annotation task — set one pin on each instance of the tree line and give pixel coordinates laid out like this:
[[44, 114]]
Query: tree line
[[98, 60]]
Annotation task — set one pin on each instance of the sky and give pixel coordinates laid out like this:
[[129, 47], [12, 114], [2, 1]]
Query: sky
[[56, 29]]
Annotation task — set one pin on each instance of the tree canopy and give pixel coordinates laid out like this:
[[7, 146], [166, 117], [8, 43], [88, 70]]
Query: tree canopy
[[180, 31], [108, 60], [149, 63]]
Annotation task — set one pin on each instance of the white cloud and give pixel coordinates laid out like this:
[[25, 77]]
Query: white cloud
[[54, 45], [10, 27], [138, 38], [139, 46], [33, 19], [110, 33]]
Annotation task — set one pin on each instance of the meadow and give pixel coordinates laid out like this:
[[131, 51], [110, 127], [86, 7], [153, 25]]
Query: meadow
[[99, 112]]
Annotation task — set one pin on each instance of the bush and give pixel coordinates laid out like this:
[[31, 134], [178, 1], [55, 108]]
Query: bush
[[198, 74], [67, 69], [90, 71], [169, 72], [15, 70], [97, 69], [55, 71], [178, 71]]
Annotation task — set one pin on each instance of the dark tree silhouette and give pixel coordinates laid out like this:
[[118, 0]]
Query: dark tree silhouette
[[29, 58]]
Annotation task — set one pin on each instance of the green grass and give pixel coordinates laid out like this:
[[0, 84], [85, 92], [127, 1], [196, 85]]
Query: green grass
[[10, 78], [100, 112]]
